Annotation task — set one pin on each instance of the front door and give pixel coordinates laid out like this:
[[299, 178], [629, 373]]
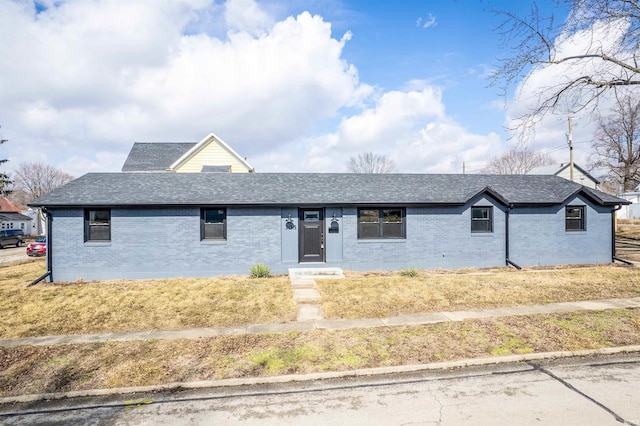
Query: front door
[[311, 235]]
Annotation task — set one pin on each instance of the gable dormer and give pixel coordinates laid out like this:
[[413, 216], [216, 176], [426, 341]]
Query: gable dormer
[[208, 153]]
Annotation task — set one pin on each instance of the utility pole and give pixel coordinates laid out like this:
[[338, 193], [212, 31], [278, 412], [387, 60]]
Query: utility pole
[[570, 151]]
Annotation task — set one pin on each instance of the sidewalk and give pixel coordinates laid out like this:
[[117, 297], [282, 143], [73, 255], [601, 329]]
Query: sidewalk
[[326, 324]]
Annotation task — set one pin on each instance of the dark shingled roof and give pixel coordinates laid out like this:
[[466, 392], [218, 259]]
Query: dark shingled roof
[[322, 189], [12, 216], [149, 157]]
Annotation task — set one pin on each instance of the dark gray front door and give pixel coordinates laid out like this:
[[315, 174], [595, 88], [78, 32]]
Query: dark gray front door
[[311, 235]]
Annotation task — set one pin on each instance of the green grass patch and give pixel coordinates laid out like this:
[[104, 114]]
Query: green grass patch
[[409, 272]]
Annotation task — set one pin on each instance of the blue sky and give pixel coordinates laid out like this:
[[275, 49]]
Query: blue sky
[[452, 44], [292, 85]]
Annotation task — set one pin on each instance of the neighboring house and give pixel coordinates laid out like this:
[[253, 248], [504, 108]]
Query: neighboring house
[[154, 225], [630, 211], [11, 218], [211, 154], [580, 175], [38, 225]]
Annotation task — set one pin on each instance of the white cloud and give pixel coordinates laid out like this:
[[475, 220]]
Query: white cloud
[[246, 16], [550, 132], [428, 22], [410, 128], [82, 78], [82, 81]]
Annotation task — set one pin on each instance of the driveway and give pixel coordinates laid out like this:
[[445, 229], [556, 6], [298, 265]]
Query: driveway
[[11, 254]]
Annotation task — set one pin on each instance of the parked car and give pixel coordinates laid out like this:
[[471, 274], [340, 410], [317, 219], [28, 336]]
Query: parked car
[[11, 237], [38, 247]]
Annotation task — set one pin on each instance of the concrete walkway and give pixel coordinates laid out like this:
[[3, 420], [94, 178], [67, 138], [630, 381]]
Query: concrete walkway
[[305, 290], [324, 324]]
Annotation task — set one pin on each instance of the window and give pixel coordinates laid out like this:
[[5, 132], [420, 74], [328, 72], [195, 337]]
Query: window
[[213, 224], [97, 225], [574, 218], [381, 223], [311, 215], [481, 219]]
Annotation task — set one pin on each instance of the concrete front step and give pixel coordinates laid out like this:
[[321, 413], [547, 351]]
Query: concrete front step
[[316, 272]]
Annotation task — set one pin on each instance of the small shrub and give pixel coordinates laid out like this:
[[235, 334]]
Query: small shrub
[[260, 271], [409, 272]]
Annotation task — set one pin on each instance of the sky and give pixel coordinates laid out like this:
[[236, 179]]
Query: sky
[[293, 86]]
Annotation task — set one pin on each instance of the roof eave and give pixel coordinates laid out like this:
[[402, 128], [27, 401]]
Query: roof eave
[[251, 204]]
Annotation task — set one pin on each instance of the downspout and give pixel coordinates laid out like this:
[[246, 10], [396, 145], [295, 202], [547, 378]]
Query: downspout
[[613, 237], [49, 272], [506, 238]]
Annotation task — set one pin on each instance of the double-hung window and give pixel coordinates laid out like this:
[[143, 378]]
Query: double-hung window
[[97, 225], [574, 218], [213, 224], [481, 219], [375, 223]]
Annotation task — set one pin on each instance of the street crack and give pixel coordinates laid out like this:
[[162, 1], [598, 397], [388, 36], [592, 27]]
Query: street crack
[[615, 415]]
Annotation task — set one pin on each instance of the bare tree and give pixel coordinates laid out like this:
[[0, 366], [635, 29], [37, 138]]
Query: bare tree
[[37, 179], [5, 182], [616, 147], [516, 161], [368, 162], [18, 198], [536, 42]]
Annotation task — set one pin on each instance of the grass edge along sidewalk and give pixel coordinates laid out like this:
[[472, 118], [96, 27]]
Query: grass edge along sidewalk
[[339, 324], [71, 367], [251, 381]]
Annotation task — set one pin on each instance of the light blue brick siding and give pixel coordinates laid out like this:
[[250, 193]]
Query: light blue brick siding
[[289, 235], [538, 236], [333, 241], [164, 242], [435, 238]]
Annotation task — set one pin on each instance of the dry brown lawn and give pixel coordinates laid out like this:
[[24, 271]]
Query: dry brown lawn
[[629, 231], [174, 304], [36, 369], [628, 246], [379, 295], [109, 306], [92, 307]]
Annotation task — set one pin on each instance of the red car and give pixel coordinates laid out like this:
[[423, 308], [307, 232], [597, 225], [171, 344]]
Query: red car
[[38, 247]]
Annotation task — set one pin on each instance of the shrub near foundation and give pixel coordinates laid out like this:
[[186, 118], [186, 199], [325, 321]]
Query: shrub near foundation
[[260, 271]]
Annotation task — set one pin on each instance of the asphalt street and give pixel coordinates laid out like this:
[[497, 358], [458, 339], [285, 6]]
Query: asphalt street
[[12, 254], [602, 390]]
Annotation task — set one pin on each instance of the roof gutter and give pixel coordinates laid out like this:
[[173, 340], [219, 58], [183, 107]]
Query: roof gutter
[[613, 237], [256, 204], [49, 272], [506, 238]]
